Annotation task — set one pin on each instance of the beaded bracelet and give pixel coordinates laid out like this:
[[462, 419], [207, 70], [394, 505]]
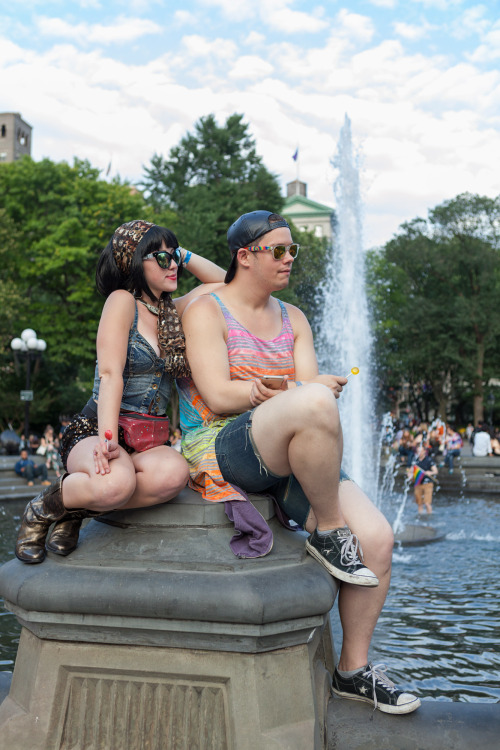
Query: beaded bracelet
[[187, 257]]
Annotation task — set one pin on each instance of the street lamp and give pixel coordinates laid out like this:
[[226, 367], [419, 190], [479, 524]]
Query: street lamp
[[31, 347]]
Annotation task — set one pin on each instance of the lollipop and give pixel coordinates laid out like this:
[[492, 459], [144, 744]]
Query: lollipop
[[108, 435], [354, 371]]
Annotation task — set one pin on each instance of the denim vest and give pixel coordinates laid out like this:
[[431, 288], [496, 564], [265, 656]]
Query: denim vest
[[146, 384]]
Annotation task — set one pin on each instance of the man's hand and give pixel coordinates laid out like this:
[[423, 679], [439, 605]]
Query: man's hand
[[334, 382], [261, 393]]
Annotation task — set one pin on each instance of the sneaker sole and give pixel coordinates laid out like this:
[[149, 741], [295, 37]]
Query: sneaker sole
[[408, 708], [339, 573]]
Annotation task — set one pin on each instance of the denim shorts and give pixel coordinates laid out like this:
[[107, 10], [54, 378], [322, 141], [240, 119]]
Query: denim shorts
[[241, 464]]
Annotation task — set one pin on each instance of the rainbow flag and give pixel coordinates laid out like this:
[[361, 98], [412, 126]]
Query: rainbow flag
[[418, 475]]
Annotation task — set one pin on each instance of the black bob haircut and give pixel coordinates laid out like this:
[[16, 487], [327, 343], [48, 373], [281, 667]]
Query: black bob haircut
[[108, 276]]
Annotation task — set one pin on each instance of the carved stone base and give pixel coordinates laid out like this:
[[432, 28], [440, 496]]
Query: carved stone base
[[80, 696]]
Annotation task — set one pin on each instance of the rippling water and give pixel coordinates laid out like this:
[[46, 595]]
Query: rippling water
[[440, 628]]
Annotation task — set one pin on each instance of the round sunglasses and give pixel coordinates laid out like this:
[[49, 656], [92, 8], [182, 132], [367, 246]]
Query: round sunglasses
[[279, 251], [164, 258]]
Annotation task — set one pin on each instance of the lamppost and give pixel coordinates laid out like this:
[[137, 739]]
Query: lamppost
[[30, 347]]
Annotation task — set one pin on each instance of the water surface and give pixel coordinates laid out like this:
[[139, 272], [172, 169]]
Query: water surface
[[440, 628]]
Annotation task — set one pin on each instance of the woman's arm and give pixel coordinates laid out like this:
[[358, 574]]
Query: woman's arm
[[204, 270], [112, 343], [211, 276]]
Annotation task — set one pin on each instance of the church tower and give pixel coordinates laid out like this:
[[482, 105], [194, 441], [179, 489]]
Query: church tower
[[15, 137]]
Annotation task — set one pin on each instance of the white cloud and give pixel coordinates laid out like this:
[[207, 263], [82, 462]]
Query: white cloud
[[274, 14], [251, 67], [240, 10], [489, 49], [255, 39], [384, 3], [218, 49], [121, 30], [185, 17], [293, 21], [354, 26], [471, 21], [411, 31], [439, 4], [427, 127]]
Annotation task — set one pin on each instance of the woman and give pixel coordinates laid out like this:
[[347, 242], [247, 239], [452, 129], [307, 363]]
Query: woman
[[140, 350], [49, 446]]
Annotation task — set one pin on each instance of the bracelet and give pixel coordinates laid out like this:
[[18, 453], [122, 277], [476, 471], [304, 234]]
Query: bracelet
[[187, 257]]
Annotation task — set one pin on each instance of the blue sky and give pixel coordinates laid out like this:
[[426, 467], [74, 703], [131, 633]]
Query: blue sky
[[115, 80]]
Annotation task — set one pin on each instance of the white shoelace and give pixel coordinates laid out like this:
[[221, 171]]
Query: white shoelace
[[349, 551], [377, 673]]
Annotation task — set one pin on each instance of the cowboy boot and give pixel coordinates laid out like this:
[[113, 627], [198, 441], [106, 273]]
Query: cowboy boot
[[64, 537], [39, 514]]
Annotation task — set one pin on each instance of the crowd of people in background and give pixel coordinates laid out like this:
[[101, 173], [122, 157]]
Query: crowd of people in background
[[424, 448]]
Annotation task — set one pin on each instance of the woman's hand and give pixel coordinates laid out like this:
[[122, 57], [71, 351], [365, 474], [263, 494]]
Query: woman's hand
[[104, 452]]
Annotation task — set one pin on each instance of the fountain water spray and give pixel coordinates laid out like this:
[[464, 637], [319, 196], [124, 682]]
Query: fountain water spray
[[344, 336]]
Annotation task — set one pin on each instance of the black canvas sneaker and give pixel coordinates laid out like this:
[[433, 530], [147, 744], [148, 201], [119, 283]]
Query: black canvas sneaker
[[372, 685], [339, 552]]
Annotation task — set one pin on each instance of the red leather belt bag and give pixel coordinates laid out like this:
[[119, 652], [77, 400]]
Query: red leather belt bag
[[144, 431]]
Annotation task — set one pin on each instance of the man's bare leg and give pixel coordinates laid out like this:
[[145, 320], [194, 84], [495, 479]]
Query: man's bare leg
[[360, 609], [299, 433]]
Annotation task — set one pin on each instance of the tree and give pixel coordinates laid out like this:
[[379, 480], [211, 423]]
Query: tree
[[435, 290], [208, 180], [55, 220]]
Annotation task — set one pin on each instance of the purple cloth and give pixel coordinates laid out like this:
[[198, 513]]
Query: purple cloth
[[253, 536]]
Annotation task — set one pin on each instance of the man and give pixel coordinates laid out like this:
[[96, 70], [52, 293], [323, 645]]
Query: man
[[481, 442], [27, 469], [285, 441]]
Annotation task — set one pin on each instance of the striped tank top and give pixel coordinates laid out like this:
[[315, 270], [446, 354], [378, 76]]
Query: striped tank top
[[249, 357]]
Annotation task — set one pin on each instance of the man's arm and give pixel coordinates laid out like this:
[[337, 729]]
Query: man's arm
[[304, 355], [205, 331]]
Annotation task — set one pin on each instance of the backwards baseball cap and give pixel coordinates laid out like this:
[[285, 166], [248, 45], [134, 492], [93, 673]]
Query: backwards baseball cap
[[248, 228]]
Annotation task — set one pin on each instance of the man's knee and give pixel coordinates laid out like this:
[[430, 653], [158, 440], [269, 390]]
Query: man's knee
[[320, 406]]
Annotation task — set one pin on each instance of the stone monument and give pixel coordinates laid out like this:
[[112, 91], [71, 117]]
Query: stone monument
[[152, 635]]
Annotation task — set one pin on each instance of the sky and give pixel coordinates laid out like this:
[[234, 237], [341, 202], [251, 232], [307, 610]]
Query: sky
[[116, 81]]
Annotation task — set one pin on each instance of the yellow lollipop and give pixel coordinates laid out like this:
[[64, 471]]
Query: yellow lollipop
[[354, 371]]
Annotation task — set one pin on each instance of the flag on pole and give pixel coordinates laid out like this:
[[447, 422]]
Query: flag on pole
[[296, 154], [108, 169], [418, 475]]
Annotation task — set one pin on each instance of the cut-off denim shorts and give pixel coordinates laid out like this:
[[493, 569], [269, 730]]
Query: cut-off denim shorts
[[241, 464]]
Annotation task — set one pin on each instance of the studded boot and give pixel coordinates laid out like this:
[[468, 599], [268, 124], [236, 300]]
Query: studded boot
[[39, 514], [64, 536], [63, 539]]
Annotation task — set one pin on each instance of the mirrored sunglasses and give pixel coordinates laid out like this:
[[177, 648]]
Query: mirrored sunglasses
[[279, 251], [164, 258]]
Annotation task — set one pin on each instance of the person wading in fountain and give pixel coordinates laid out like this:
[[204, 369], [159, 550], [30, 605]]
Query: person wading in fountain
[[239, 432]]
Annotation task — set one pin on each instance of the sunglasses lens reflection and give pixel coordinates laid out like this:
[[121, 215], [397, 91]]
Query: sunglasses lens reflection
[[164, 259], [280, 251]]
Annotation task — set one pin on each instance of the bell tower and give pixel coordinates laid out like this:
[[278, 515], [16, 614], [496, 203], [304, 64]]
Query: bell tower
[[15, 137]]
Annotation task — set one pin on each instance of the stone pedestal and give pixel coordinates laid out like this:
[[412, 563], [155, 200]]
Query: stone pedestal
[[153, 636]]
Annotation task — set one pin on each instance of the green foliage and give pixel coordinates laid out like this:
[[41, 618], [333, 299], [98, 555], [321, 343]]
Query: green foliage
[[54, 221], [435, 289], [212, 177]]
